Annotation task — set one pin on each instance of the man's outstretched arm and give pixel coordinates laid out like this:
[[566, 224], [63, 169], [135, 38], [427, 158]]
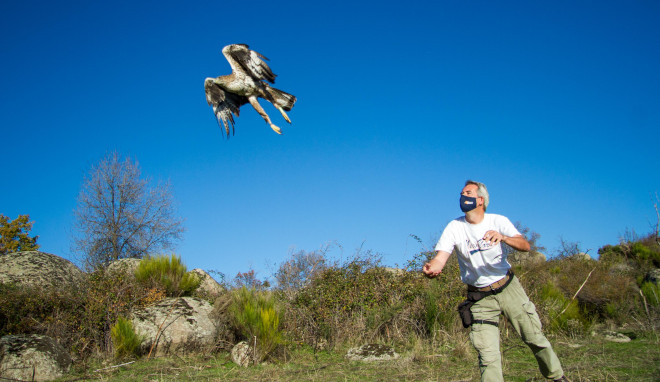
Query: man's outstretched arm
[[517, 242], [435, 265]]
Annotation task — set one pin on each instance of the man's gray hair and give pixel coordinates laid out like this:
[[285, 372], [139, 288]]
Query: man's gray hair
[[482, 191]]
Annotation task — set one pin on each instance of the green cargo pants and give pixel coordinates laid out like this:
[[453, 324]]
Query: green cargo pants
[[521, 313]]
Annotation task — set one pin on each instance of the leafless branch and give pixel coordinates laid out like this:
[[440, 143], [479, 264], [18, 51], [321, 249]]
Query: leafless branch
[[115, 366], [578, 291]]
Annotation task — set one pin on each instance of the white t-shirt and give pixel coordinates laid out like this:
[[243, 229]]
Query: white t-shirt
[[481, 262]]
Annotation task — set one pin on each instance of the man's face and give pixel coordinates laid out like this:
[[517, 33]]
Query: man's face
[[471, 191]]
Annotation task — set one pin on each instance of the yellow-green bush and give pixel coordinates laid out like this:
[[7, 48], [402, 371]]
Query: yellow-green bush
[[169, 273], [255, 316], [564, 314], [125, 340], [651, 292]]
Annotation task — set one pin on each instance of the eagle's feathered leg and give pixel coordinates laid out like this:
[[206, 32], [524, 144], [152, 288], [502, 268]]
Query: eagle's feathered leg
[[281, 100], [283, 113], [260, 110]]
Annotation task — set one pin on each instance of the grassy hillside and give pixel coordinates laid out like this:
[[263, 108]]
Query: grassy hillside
[[317, 309]]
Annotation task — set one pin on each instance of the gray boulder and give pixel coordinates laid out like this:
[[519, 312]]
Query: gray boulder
[[371, 353], [241, 354], [176, 325], [127, 266], [525, 258], [38, 269], [32, 358], [582, 257], [208, 286]]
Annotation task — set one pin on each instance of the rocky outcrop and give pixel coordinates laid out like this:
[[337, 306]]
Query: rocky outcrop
[[32, 358], [176, 326], [208, 287], [582, 257], [525, 258], [127, 266], [371, 353], [38, 269]]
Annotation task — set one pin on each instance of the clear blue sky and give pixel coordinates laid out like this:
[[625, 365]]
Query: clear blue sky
[[555, 105]]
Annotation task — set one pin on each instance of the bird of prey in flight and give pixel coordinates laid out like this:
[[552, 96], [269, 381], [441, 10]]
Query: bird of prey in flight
[[247, 82]]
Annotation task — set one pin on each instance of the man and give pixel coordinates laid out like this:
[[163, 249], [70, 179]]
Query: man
[[492, 288]]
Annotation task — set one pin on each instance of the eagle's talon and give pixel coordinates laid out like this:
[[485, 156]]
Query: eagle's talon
[[276, 129]]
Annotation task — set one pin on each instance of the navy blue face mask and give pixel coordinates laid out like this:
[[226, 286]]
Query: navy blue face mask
[[468, 203]]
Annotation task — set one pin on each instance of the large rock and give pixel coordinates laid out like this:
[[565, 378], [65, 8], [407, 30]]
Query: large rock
[[127, 266], [32, 358], [525, 258], [208, 286], [38, 269], [177, 326], [582, 257]]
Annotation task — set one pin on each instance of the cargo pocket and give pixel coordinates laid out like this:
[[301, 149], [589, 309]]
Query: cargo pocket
[[534, 320], [480, 338]]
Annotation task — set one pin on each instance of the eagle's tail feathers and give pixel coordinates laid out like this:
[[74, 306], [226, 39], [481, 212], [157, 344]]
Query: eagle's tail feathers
[[282, 99]]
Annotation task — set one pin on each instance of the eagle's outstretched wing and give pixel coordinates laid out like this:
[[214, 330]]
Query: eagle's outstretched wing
[[223, 103], [248, 61]]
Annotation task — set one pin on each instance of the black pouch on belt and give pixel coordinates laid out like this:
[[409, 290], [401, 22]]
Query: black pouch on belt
[[464, 308], [465, 312]]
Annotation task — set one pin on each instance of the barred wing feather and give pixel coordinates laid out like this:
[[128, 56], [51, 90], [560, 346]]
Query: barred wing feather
[[250, 62], [224, 104]]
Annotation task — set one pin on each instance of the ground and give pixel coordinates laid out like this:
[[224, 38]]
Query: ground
[[584, 359]]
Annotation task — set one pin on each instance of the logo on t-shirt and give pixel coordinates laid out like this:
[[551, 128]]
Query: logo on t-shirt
[[480, 245]]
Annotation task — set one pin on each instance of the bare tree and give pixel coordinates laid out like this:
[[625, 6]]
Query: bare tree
[[120, 215]]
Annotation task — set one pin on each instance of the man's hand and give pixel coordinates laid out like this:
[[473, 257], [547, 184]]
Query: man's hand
[[431, 269], [517, 242], [435, 265], [493, 237]]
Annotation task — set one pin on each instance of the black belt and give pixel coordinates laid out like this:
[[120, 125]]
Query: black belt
[[477, 294], [485, 322]]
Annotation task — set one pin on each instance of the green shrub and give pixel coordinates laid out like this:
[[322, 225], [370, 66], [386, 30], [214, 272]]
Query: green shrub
[[564, 314], [33, 310], [361, 301], [644, 254], [651, 292], [126, 342], [441, 297], [255, 316], [168, 273], [80, 318]]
